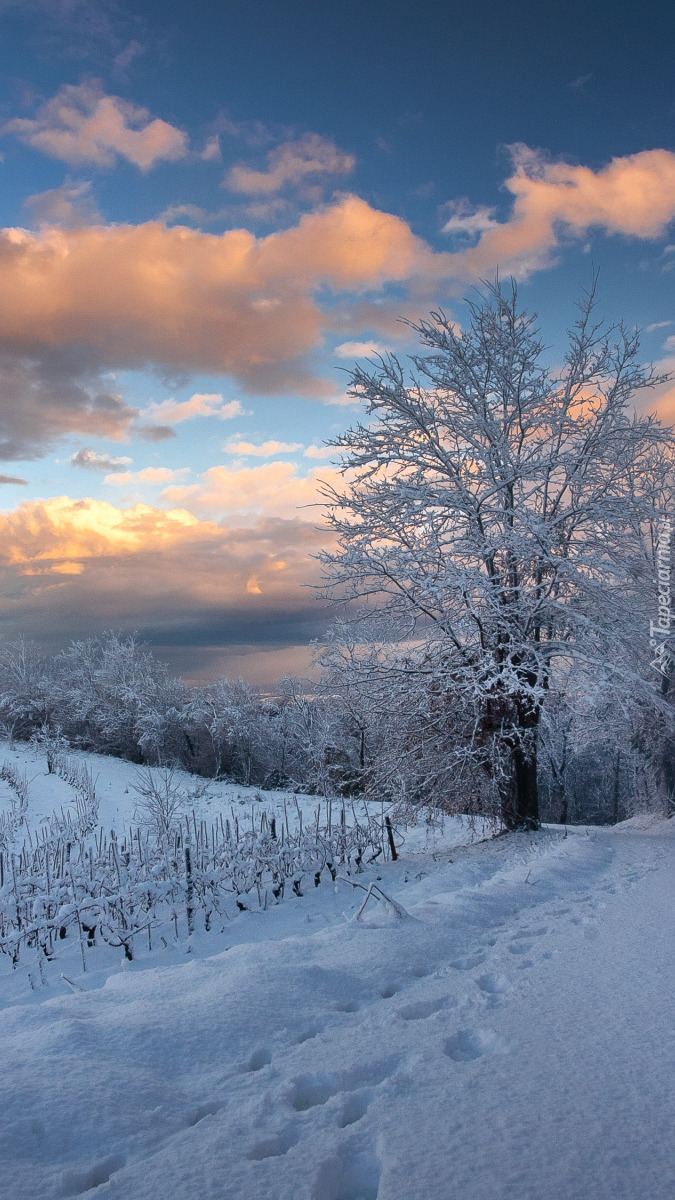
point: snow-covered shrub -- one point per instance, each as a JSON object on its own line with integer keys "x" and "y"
{"x": 106, "y": 688}
{"x": 161, "y": 802}
{"x": 25, "y": 689}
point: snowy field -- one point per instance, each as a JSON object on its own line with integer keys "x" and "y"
{"x": 504, "y": 1030}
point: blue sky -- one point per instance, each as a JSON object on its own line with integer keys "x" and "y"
{"x": 210, "y": 210}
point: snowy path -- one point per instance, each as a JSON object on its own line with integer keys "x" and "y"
{"x": 512, "y": 1039}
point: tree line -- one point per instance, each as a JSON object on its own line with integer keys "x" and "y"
{"x": 597, "y": 763}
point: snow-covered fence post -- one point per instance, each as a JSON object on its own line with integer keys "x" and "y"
{"x": 390, "y": 835}
{"x": 189, "y": 892}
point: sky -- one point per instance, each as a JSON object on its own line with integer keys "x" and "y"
{"x": 210, "y": 211}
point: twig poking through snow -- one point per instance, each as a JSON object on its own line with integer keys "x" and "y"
{"x": 394, "y": 907}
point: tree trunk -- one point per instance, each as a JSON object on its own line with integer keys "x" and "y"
{"x": 617, "y": 784}
{"x": 520, "y": 796}
{"x": 668, "y": 773}
{"x": 526, "y": 789}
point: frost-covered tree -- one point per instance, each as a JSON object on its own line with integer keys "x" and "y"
{"x": 26, "y": 678}
{"x": 492, "y": 522}
{"x": 113, "y": 696}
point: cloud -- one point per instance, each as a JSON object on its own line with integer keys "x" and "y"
{"x": 247, "y": 493}
{"x": 264, "y": 450}
{"x": 633, "y": 196}
{"x": 178, "y": 580}
{"x": 358, "y": 349}
{"x": 271, "y": 448}
{"x": 290, "y": 164}
{"x": 467, "y": 221}
{"x": 211, "y": 151}
{"x": 342, "y": 400}
{"x": 660, "y": 400}
{"x": 183, "y": 299}
{"x": 189, "y": 212}
{"x": 98, "y": 462}
{"x": 579, "y": 84}
{"x": 68, "y": 206}
{"x": 268, "y": 212}
{"x": 77, "y": 29}
{"x": 13, "y": 479}
{"x": 657, "y": 325}
{"x": 153, "y": 433}
{"x": 82, "y": 125}
{"x": 56, "y": 393}
{"x": 124, "y": 59}
{"x": 59, "y": 529}
{"x": 257, "y": 308}
{"x": 254, "y": 133}
{"x": 152, "y": 475}
{"x": 201, "y": 404}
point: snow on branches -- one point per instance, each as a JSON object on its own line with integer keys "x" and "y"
{"x": 491, "y": 526}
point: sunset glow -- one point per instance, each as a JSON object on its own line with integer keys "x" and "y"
{"x": 211, "y": 212}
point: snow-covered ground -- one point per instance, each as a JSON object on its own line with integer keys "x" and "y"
{"x": 512, "y": 1036}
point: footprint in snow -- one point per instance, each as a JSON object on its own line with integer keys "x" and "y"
{"x": 256, "y": 1061}
{"x": 310, "y": 1091}
{"x": 469, "y": 1044}
{"x": 308, "y": 1034}
{"x": 273, "y": 1147}
{"x": 420, "y": 1009}
{"x": 354, "y": 1108}
{"x": 202, "y": 1110}
{"x": 355, "y": 1175}
{"x": 76, "y": 1183}
{"x": 520, "y": 947}
{"x": 493, "y": 984}
{"x": 389, "y": 990}
{"x": 469, "y": 962}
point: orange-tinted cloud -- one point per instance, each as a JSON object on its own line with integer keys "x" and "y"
{"x": 248, "y": 306}
{"x": 269, "y": 449}
{"x": 75, "y": 300}
{"x": 661, "y": 399}
{"x": 353, "y": 350}
{"x": 61, "y": 528}
{"x": 201, "y": 404}
{"x": 88, "y": 458}
{"x": 247, "y": 493}
{"x": 174, "y": 577}
{"x": 290, "y": 164}
{"x": 159, "y": 476}
{"x": 82, "y": 125}
{"x": 185, "y": 299}
{"x": 633, "y": 196}
{"x": 67, "y": 206}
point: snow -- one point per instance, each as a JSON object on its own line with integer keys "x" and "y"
{"x": 511, "y": 1036}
